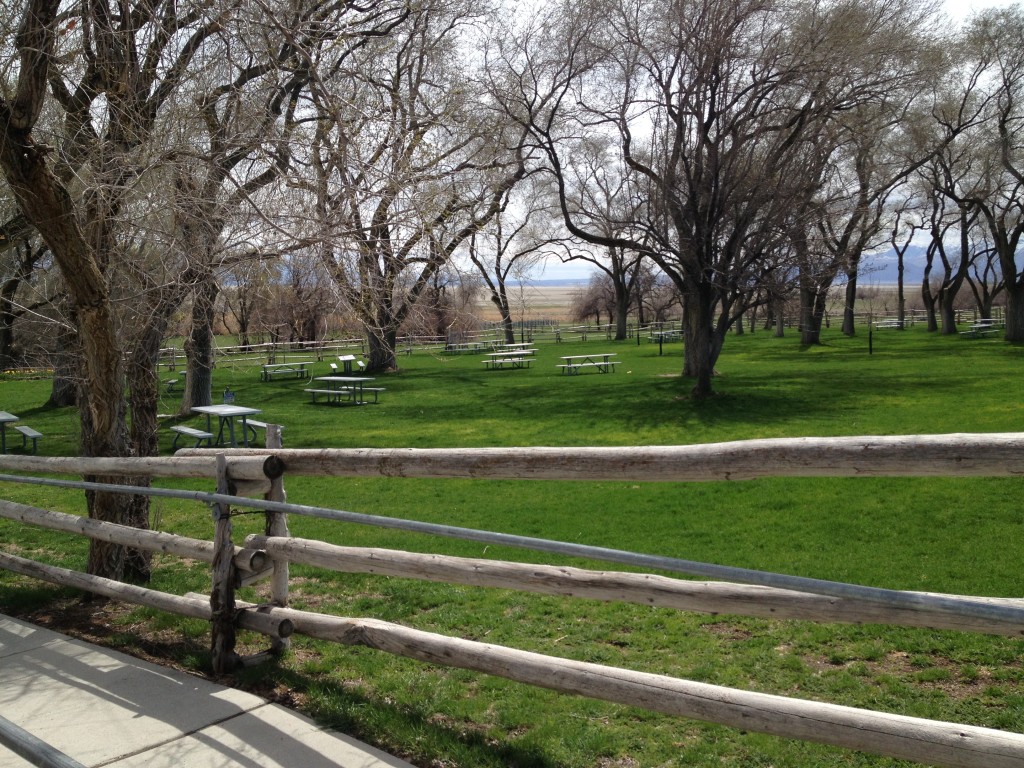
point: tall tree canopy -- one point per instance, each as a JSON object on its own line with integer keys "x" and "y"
{"x": 724, "y": 109}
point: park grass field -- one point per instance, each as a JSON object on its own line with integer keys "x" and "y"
{"x": 945, "y": 535}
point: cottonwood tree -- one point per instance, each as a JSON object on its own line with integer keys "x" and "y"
{"x": 906, "y": 223}
{"x": 720, "y": 106}
{"x": 510, "y": 247}
{"x": 876, "y": 151}
{"x": 99, "y": 62}
{"x": 600, "y": 196}
{"x": 406, "y": 163}
{"x": 993, "y": 75}
{"x": 97, "y": 147}
{"x": 949, "y": 223}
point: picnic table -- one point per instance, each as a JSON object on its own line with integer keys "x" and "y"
{"x": 345, "y": 389}
{"x": 457, "y": 348}
{"x": 226, "y": 415}
{"x": 513, "y": 358}
{"x": 346, "y": 363}
{"x": 5, "y": 419}
{"x": 979, "y": 328}
{"x": 602, "y": 362}
{"x": 300, "y": 369}
{"x": 519, "y": 345}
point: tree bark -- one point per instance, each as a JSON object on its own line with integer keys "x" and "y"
{"x": 700, "y": 348}
{"x": 198, "y": 347}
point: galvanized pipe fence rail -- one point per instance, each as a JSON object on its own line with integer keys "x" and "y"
{"x": 254, "y": 479}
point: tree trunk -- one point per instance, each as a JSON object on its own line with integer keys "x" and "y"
{"x": 810, "y": 320}
{"x": 699, "y": 351}
{"x": 499, "y": 297}
{"x": 381, "y": 350}
{"x": 67, "y": 369}
{"x": 929, "y": 301}
{"x": 849, "y": 327}
{"x": 947, "y": 312}
{"x": 198, "y": 347}
{"x": 621, "y": 309}
{"x": 1014, "y": 310}
{"x": 901, "y": 302}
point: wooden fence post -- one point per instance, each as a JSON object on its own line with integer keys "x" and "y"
{"x": 277, "y": 525}
{"x": 222, "y": 596}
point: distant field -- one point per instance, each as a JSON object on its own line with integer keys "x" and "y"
{"x": 534, "y": 302}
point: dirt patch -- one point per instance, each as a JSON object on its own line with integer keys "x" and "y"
{"x": 957, "y": 681}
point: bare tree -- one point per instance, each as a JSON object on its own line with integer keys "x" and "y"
{"x": 994, "y": 78}
{"x": 721, "y": 107}
{"x": 406, "y": 162}
{"x": 509, "y": 248}
{"x": 600, "y": 195}
{"x": 100, "y": 65}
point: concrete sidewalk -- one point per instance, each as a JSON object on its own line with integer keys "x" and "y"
{"x": 104, "y": 708}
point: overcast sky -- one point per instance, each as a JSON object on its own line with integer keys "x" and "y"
{"x": 961, "y": 9}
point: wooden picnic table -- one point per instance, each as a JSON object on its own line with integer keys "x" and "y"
{"x": 602, "y": 362}
{"x": 347, "y": 361}
{"x": 345, "y": 389}
{"x": 984, "y": 327}
{"x": 226, "y": 415}
{"x": 5, "y": 419}
{"x": 672, "y": 334}
{"x": 300, "y": 369}
{"x": 513, "y": 358}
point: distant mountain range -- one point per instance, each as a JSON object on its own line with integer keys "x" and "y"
{"x": 883, "y": 269}
{"x": 876, "y": 268}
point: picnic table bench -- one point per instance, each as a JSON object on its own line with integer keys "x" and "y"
{"x": 300, "y": 369}
{"x": 601, "y": 362}
{"x": 345, "y": 389}
{"x": 347, "y": 362}
{"x": 5, "y": 419}
{"x": 457, "y": 348}
{"x": 493, "y": 363}
{"x": 200, "y": 435}
{"x": 173, "y": 383}
{"x": 672, "y": 334}
{"x": 27, "y": 433}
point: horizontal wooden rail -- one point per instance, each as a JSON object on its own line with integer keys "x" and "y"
{"x": 639, "y": 588}
{"x": 246, "y": 467}
{"x": 910, "y": 738}
{"x": 248, "y": 561}
{"x": 255, "y": 618}
{"x": 953, "y": 455}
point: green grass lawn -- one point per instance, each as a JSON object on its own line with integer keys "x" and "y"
{"x": 945, "y": 535}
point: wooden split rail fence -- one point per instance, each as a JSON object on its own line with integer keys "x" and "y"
{"x": 254, "y": 478}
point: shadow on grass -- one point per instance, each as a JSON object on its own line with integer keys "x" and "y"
{"x": 438, "y": 736}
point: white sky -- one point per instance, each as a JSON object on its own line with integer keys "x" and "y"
{"x": 959, "y": 10}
